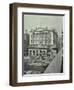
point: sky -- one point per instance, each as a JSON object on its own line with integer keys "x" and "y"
{"x": 50, "y": 21}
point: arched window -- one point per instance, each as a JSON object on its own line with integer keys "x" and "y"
{"x": 37, "y": 52}
{"x": 33, "y": 52}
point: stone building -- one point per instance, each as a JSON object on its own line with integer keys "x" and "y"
{"x": 40, "y": 41}
{"x": 26, "y": 44}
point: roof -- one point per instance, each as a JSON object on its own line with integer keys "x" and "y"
{"x": 40, "y": 29}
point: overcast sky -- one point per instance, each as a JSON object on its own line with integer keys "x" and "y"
{"x": 50, "y": 21}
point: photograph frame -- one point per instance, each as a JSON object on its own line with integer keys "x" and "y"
{"x": 13, "y": 44}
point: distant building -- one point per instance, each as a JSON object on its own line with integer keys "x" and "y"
{"x": 40, "y": 41}
{"x": 26, "y": 44}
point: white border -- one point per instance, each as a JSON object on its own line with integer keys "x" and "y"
{"x": 48, "y": 77}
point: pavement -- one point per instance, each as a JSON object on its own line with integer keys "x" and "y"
{"x": 55, "y": 65}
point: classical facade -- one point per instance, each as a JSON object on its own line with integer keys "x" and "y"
{"x": 40, "y": 41}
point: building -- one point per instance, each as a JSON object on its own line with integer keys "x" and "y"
{"x": 40, "y": 41}
{"x": 26, "y": 44}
